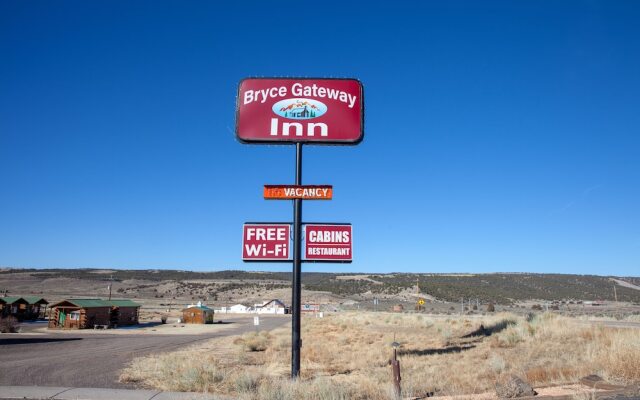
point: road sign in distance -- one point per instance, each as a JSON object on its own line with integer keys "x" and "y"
{"x": 328, "y": 242}
{"x": 265, "y": 242}
{"x": 292, "y": 110}
{"x": 305, "y": 192}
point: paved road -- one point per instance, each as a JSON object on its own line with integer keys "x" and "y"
{"x": 93, "y": 360}
{"x": 614, "y": 324}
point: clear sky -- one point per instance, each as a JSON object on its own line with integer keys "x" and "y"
{"x": 500, "y": 136}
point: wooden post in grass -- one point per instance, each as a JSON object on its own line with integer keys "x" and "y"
{"x": 395, "y": 370}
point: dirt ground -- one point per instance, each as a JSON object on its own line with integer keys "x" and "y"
{"x": 91, "y": 358}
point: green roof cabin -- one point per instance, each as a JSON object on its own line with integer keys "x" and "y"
{"x": 93, "y": 313}
{"x": 23, "y": 308}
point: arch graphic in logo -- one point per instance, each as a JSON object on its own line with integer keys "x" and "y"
{"x": 299, "y": 108}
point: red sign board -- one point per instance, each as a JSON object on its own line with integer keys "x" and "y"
{"x": 328, "y": 242}
{"x": 265, "y": 242}
{"x": 314, "y": 111}
{"x": 305, "y": 192}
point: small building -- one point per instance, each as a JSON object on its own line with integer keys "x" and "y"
{"x": 37, "y": 306}
{"x": 23, "y": 308}
{"x": 90, "y": 313}
{"x": 235, "y": 309}
{"x": 239, "y": 308}
{"x": 124, "y": 313}
{"x": 197, "y": 314}
{"x": 274, "y": 306}
{"x": 15, "y": 307}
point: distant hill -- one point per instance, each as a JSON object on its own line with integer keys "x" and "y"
{"x": 501, "y": 288}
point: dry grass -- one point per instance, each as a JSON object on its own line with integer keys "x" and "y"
{"x": 345, "y": 356}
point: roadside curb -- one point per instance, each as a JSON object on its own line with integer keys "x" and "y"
{"x": 71, "y": 393}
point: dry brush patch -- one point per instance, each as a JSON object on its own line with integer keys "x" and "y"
{"x": 345, "y": 356}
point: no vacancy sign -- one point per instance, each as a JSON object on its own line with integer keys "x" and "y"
{"x": 311, "y": 111}
{"x": 328, "y": 242}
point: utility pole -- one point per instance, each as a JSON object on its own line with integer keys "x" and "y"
{"x": 615, "y": 293}
{"x": 462, "y": 306}
{"x": 171, "y": 302}
{"x": 110, "y": 284}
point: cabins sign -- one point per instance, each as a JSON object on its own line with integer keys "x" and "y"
{"x": 290, "y": 110}
{"x": 328, "y": 242}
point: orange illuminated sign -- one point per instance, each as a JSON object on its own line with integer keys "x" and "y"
{"x": 305, "y": 192}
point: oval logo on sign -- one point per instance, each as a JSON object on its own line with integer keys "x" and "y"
{"x": 299, "y": 108}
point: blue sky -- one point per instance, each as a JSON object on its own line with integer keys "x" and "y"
{"x": 500, "y": 136}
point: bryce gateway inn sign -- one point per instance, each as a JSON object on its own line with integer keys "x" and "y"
{"x": 289, "y": 110}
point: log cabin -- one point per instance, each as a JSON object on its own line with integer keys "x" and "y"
{"x": 93, "y": 313}
{"x": 23, "y": 308}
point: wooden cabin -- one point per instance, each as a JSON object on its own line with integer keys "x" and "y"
{"x": 12, "y": 305}
{"x": 92, "y": 313}
{"x": 37, "y": 306}
{"x": 124, "y": 313}
{"x": 198, "y": 314}
{"x": 23, "y": 308}
{"x": 15, "y": 307}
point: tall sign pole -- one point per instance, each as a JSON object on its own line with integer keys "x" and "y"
{"x": 320, "y": 111}
{"x": 296, "y": 340}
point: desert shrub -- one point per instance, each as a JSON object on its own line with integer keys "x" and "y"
{"x": 497, "y": 364}
{"x": 634, "y": 317}
{"x": 9, "y": 325}
{"x": 254, "y": 341}
{"x": 514, "y": 333}
{"x": 163, "y": 319}
{"x": 247, "y": 383}
{"x": 491, "y": 307}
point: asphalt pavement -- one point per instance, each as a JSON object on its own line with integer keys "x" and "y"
{"x": 67, "y": 393}
{"x": 93, "y": 360}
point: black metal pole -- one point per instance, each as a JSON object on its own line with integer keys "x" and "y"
{"x": 297, "y": 257}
